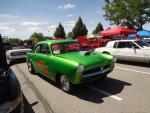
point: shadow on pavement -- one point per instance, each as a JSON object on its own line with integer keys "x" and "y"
{"x": 109, "y": 85}
{"x": 18, "y": 61}
{"x": 27, "y": 106}
{"x": 141, "y": 64}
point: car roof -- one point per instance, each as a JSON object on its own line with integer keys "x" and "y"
{"x": 56, "y": 41}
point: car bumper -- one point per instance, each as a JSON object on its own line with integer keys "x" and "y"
{"x": 17, "y": 57}
{"x": 79, "y": 78}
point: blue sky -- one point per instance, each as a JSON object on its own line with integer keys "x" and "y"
{"x": 20, "y": 18}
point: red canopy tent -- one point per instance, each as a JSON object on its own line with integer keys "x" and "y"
{"x": 117, "y": 31}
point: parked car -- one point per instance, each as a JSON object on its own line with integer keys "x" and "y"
{"x": 11, "y": 100}
{"x": 147, "y": 40}
{"x": 15, "y": 53}
{"x": 60, "y": 62}
{"x": 128, "y": 50}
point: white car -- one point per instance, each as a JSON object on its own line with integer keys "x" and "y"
{"x": 128, "y": 50}
{"x": 16, "y": 53}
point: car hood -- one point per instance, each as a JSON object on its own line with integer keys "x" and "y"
{"x": 86, "y": 60}
{"x": 19, "y": 50}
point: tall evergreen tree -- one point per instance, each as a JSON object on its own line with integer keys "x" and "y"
{"x": 98, "y": 28}
{"x": 60, "y": 32}
{"x": 79, "y": 29}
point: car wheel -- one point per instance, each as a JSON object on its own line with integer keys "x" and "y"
{"x": 104, "y": 77}
{"x": 30, "y": 68}
{"x": 66, "y": 86}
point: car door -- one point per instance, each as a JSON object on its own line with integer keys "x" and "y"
{"x": 119, "y": 50}
{"x": 42, "y": 62}
{"x": 35, "y": 57}
{"x": 137, "y": 53}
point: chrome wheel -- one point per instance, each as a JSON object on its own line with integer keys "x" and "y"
{"x": 65, "y": 84}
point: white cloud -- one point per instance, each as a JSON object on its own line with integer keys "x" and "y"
{"x": 4, "y": 24}
{"x": 5, "y": 29}
{"x": 70, "y": 23}
{"x": 32, "y": 29}
{"x": 66, "y": 6}
{"x": 69, "y": 15}
{"x": 52, "y": 27}
{"x": 7, "y": 16}
{"x": 33, "y": 23}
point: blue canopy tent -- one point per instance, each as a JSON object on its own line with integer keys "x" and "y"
{"x": 143, "y": 33}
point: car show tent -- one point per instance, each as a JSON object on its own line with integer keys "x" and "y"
{"x": 117, "y": 31}
{"x": 142, "y": 33}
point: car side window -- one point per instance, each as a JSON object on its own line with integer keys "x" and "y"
{"x": 134, "y": 45}
{"x": 45, "y": 49}
{"x": 37, "y": 49}
{"x": 124, "y": 45}
{"x": 115, "y": 44}
{"x": 121, "y": 45}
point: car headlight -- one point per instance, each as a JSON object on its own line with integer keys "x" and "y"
{"x": 80, "y": 68}
{"x": 114, "y": 60}
{"x": 10, "y": 106}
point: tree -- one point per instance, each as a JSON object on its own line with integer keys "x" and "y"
{"x": 60, "y": 32}
{"x": 128, "y": 13}
{"x": 79, "y": 29}
{"x": 37, "y": 37}
{"x": 98, "y": 29}
{"x": 70, "y": 35}
{"x": 12, "y": 40}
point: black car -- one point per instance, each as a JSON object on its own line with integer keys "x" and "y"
{"x": 11, "y": 100}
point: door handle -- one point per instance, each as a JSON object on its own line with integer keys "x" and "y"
{"x": 117, "y": 51}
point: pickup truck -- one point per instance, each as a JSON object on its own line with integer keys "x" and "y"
{"x": 128, "y": 50}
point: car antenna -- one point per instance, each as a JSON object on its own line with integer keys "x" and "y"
{"x": 3, "y": 62}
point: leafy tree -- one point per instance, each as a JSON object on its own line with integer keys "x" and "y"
{"x": 98, "y": 29}
{"x": 70, "y": 35}
{"x": 37, "y": 37}
{"x": 129, "y": 13}
{"x": 60, "y": 32}
{"x": 79, "y": 29}
{"x": 11, "y": 40}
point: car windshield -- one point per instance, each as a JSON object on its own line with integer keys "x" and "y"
{"x": 65, "y": 47}
{"x": 142, "y": 43}
{"x": 19, "y": 47}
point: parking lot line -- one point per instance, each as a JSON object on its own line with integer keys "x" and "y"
{"x": 105, "y": 93}
{"x": 133, "y": 70}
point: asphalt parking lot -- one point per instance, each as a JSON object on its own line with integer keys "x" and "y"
{"x": 126, "y": 90}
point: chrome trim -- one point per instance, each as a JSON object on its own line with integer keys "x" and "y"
{"x": 96, "y": 73}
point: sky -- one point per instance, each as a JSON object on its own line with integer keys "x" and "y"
{"x": 21, "y": 18}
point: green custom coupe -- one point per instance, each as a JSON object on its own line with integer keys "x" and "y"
{"x": 63, "y": 61}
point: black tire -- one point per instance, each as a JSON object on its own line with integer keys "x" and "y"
{"x": 104, "y": 77}
{"x": 106, "y": 52}
{"x": 66, "y": 86}
{"x": 30, "y": 67}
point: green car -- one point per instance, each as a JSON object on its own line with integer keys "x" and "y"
{"x": 63, "y": 61}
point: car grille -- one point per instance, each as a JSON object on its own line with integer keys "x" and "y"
{"x": 18, "y": 53}
{"x": 96, "y": 71}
